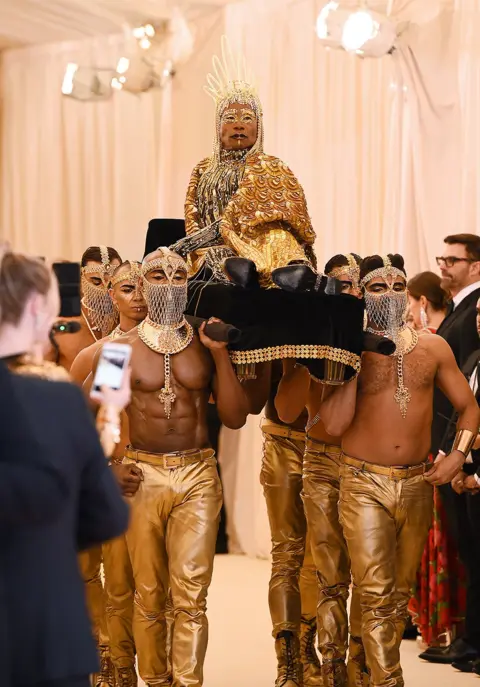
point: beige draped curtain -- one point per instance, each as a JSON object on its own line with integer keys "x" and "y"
{"x": 74, "y": 174}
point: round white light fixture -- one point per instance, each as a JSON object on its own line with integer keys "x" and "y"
{"x": 361, "y": 31}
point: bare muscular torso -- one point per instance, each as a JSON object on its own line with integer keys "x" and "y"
{"x": 379, "y": 434}
{"x": 191, "y": 380}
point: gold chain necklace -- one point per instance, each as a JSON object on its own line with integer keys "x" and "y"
{"x": 402, "y": 394}
{"x": 116, "y": 333}
{"x": 167, "y": 340}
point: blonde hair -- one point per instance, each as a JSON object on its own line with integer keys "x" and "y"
{"x": 20, "y": 277}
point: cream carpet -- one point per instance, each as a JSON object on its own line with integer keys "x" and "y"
{"x": 240, "y": 652}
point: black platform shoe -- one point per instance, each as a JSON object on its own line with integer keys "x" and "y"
{"x": 242, "y": 271}
{"x": 298, "y": 277}
{"x": 301, "y": 277}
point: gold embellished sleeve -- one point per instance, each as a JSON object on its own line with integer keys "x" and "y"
{"x": 191, "y": 210}
{"x": 269, "y": 193}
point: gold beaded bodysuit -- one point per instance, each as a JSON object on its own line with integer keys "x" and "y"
{"x": 253, "y": 201}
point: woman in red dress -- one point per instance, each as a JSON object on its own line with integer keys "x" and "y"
{"x": 438, "y": 604}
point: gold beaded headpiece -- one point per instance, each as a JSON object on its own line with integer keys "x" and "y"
{"x": 134, "y": 274}
{"x": 352, "y": 270}
{"x": 231, "y": 82}
{"x": 168, "y": 259}
{"x": 105, "y": 268}
{"x": 388, "y": 270}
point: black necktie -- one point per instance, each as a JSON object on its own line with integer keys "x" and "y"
{"x": 450, "y": 308}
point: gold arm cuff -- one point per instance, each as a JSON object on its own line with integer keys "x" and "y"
{"x": 464, "y": 440}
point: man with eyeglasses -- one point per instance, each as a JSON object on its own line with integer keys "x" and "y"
{"x": 460, "y": 271}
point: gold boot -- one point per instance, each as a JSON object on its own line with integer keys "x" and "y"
{"x": 334, "y": 674}
{"x": 127, "y": 677}
{"x": 357, "y": 666}
{"x": 312, "y": 670}
{"x": 289, "y": 666}
{"x": 106, "y": 676}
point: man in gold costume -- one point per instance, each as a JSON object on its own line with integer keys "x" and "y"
{"x": 293, "y": 592}
{"x": 98, "y": 318}
{"x": 127, "y": 297}
{"x": 321, "y": 485}
{"x": 245, "y": 211}
{"x": 175, "y": 511}
{"x": 384, "y": 417}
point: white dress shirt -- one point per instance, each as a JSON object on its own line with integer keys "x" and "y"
{"x": 461, "y": 295}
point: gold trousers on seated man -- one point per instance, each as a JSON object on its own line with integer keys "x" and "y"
{"x": 90, "y": 563}
{"x": 171, "y": 541}
{"x": 321, "y": 491}
{"x": 293, "y": 584}
{"x": 119, "y": 591}
{"x": 386, "y": 514}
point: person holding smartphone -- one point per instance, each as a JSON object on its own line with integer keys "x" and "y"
{"x": 175, "y": 511}
{"x": 47, "y": 629}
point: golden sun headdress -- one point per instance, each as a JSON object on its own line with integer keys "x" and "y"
{"x": 231, "y": 82}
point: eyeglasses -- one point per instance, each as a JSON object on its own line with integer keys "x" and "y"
{"x": 450, "y": 261}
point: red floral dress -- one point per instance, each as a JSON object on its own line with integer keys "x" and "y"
{"x": 439, "y": 601}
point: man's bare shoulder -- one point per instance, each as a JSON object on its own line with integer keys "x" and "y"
{"x": 434, "y": 344}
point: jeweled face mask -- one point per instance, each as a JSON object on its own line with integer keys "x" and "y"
{"x": 96, "y": 300}
{"x": 386, "y": 310}
{"x": 166, "y": 291}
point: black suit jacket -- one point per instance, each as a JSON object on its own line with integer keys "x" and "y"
{"x": 472, "y": 364}
{"x": 459, "y": 330}
{"x": 48, "y": 629}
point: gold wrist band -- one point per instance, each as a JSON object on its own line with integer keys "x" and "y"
{"x": 464, "y": 440}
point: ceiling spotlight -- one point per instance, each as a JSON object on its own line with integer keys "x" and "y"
{"x": 87, "y": 83}
{"x": 359, "y": 28}
{"x": 149, "y": 30}
{"x": 144, "y": 43}
{"x": 123, "y": 65}
{"x": 361, "y": 31}
{"x": 138, "y": 77}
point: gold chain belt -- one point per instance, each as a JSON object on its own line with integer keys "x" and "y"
{"x": 269, "y": 427}
{"x": 394, "y": 472}
{"x": 169, "y": 461}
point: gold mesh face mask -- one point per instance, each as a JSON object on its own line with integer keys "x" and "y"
{"x": 386, "y": 312}
{"x": 166, "y": 301}
{"x": 100, "y": 311}
{"x": 165, "y": 330}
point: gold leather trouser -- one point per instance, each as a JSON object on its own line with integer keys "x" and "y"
{"x": 171, "y": 541}
{"x": 385, "y": 520}
{"x": 90, "y": 563}
{"x": 321, "y": 489}
{"x": 293, "y": 584}
{"x": 119, "y": 591}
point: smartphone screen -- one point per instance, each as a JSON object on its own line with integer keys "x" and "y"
{"x": 111, "y": 366}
